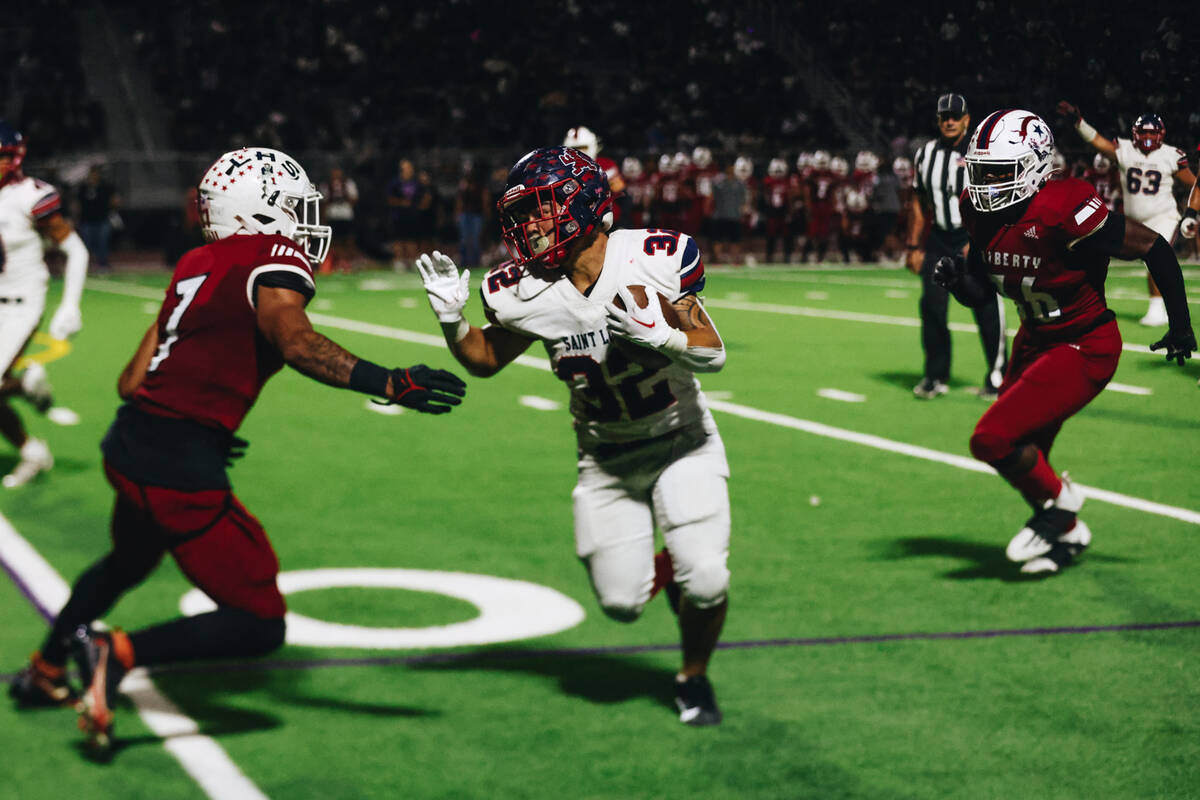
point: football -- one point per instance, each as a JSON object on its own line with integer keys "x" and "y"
{"x": 639, "y": 297}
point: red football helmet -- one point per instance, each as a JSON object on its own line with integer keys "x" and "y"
{"x": 1148, "y": 132}
{"x": 554, "y": 196}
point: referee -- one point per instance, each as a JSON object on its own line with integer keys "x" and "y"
{"x": 939, "y": 171}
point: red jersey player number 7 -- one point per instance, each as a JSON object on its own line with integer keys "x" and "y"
{"x": 232, "y": 317}
{"x": 1046, "y": 245}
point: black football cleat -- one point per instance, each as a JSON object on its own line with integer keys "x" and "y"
{"x": 696, "y": 702}
{"x": 42, "y": 685}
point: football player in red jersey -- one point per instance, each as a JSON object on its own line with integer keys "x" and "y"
{"x": 777, "y": 202}
{"x": 1106, "y": 180}
{"x": 233, "y": 316}
{"x": 1046, "y": 245}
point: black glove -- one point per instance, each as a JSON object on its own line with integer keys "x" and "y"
{"x": 948, "y": 271}
{"x": 1071, "y": 112}
{"x": 1179, "y": 344}
{"x": 430, "y": 391}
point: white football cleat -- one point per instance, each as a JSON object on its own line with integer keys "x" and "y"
{"x": 1156, "y": 315}
{"x": 1052, "y": 524}
{"x": 35, "y": 459}
{"x": 1063, "y": 553}
{"x": 61, "y": 415}
{"x": 35, "y": 385}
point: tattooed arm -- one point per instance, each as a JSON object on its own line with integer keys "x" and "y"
{"x": 282, "y": 320}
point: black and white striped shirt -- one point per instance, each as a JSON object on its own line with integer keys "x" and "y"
{"x": 939, "y": 175}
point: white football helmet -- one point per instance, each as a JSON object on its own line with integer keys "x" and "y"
{"x": 666, "y": 164}
{"x": 743, "y": 168}
{"x": 804, "y": 162}
{"x": 631, "y": 168}
{"x": 682, "y": 160}
{"x": 866, "y": 161}
{"x": 702, "y": 157}
{"x": 820, "y": 159}
{"x": 1101, "y": 163}
{"x": 1010, "y": 156}
{"x": 260, "y": 190}
{"x": 777, "y": 168}
{"x": 839, "y": 166}
{"x": 903, "y": 167}
{"x": 583, "y": 140}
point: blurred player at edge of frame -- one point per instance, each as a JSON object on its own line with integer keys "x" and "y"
{"x": 1046, "y": 244}
{"x": 31, "y": 214}
{"x": 1148, "y": 168}
{"x": 648, "y": 446}
{"x": 233, "y": 316}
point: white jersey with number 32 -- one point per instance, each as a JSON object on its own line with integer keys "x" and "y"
{"x": 1147, "y": 178}
{"x": 619, "y": 393}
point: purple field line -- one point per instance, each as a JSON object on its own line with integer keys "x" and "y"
{"x": 32, "y": 597}
{"x": 530, "y": 653}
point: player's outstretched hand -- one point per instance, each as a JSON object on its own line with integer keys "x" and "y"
{"x": 1069, "y": 111}
{"x": 446, "y": 288}
{"x": 1179, "y": 344}
{"x": 643, "y": 326}
{"x": 948, "y": 271}
{"x": 430, "y": 391}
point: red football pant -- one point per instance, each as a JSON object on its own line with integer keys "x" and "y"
{"x": 218, "y": 544}
{"x": 1045, "y": 384}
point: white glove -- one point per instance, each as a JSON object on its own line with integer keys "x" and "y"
{"x": 66, "y": 322}
{"x": 446, "y": 288}
{"x": 1188, "y": 228}
{"x": 643, "y": 326}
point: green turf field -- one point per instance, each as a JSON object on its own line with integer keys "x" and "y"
{"x": 878, "y": 645}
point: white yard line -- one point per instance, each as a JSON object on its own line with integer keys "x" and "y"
{"x": 200, "y": 756}
{"x": 855, "y": 316}
{"x": 962, "y": 462}
{"x": 817, "y": 428}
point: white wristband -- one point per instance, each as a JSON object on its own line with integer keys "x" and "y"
{"x": 1085, "y": 131}
{"x": 461, "y": 329}
{"x": 676, "y": 343}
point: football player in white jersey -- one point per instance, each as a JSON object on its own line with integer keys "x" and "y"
{"x": 30, "y": 212}
{"x": 649, "y": 450}
{"x": 1147, "y": 168}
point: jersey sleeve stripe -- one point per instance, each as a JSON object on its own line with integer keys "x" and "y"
{"x": 691, "y": 272}
{"x": 1098, "y": 226}
{"x": 47, "y": 206}
{"x": 275, "y": 268}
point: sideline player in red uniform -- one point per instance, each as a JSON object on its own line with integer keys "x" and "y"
{"x": 232, "y": 317}
{"x": 1046, "y": 244}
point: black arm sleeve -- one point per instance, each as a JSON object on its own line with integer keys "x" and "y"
{"x": 1164, "y": 268}
{"x": 284, "y": 279}
{"x": 974, "y": 288}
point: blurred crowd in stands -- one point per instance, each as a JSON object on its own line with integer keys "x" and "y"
{"x": 409, "y": 117}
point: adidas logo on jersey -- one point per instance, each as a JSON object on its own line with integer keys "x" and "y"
{"x": 284, "y": 250}
{"x": 1031, "y": 233}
